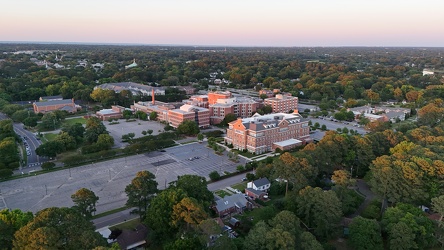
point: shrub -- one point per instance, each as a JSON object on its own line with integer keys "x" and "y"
{"x": 214, "y": 176}
{"x": 240, "y": 168}
{"x": 48, "y": 165}
{"x": 5, "y": 173}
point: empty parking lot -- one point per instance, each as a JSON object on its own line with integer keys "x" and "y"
{"x": 109, "y": 179}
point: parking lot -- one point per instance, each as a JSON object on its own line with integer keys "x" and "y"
{"x": 109, "y": 179}
{"x": 136, "y": 127}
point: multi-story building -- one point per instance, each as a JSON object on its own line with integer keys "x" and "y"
{"x": 282, "y": 103}
{"x": 197, "y": 100}
{"x": 44, "y": 107}
{"x": 239, "y": 106}
{"x": 259, "y": 134}
{"x": 115, "y": 112}
{"x": 135, "y": 88}
{"x": 214, "y": 96}
{"x": 188, "y": 112}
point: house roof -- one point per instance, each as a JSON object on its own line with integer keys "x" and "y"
{"x": 227, "y": 202}
{"x": 261, "y": 182}
{"x": 254, "y": 191}
{"x": 288, "y": 142}
{"x": 55, "y": 102}
{"x": 132, "y": 238}
{"x": 51, "y": 98}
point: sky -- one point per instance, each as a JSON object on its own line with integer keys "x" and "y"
{"x": 276, "y": 23}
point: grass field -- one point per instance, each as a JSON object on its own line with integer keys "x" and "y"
{"x": 131, "y": 224}
{"x": 241, "y": 186}
{"x": 74, "y": 121}
{"x": 49, "y": 137}
{"x": 222, "y": 193}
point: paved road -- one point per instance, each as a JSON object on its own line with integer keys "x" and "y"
{"x": 33, "y": 143}
{"x": 109, "y": 179}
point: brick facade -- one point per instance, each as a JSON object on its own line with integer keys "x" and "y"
{"x": 282, "y": 103}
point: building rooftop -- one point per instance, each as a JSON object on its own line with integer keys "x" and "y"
{"x": 55, "y": 102}
{"x": 227, "y": 202}
{"x": 261, "y": 182}
{"x": 288, "y": 142}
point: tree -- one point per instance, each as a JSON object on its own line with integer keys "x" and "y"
{"x": 438, "y": 206}
{"x": 188, "y": 127}
{"x": 188, "y": 210}
{"x": 104, "y": 96}
{"x": 153, "y": 116}
{"x": 319, "y": 210}
{"x": 149, "y": 131}
{"x": 5, "y": 173}
{"x": 160, "y": 212}
{"x": 256, "y": 238}
{"x": 58, "y": 228}
{"x": 309, "y": 242}
{"x": 10, "y": 222}
{"x": 418, "y": 225}
{"x": 85, "y": 202}
{"x": 229, "y": 118}
{"x": 76, "y": 130}
{"x": 50, "y": 148}
{"x": 94, "y": 128}
{"x": 401, "y": 237}
{"x": 68, "y": 142}
{"x": 297, "y": 171}
{"x": 105, "y": 141}
{"x": 140, "y": 192}
{"x": 50, "y": 121}
{"x": 30, "y": 121}
{"x": 214, "y": 176}
{"x": 195, "y": 187}
{"x": 48, "y": 165}
{"x": 365, "y": 234}
{"x": 127, "y": 114}
{"x": 200, "y": 137}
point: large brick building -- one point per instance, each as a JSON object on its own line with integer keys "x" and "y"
{"x": 214, "y": 96}
{"x": 239, "y": 106}
{"x": 282, "y": 103}
{"x": 67, "y": 105}
{"x": 259, "y": 134}
{"x": 188, "y": 112}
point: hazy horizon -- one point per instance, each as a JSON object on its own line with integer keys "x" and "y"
{"x": 247, "y": 23}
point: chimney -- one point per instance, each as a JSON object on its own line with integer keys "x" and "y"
{"x": 152, "y": 96}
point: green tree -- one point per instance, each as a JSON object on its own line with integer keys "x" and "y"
{"x": 365, "y": 234}
{"x": 140, "y": 192}
{"x": 229, "y": 118}
{"x": 76, "y": 130}
{"x": 30, "y": 121}
{"x": 10, "y": 222}
{"x": 5, "y": 173}
{"x": 195, "y": 187}
{"x": 401, "y": 237}
{"x": 50, "y": 121}
{"x": 105, "y": 141}
{"x": 58, "y": 228}
{"x": 319, "y": 210}
{"x": 48, "y": 165}
{"x": 160, "y": 213}
{"x": 50, "y": 148}
{"x": 153, "y": 116}
{"x": 85, "y": 202}
{"x": 149, "y": 131}
{"x": 214, "y": 176}
{"x": 188, "y": 127}
{"x": 309, "y": 242}
{"x": 200, "y": 137}
{"x": 438, "y": 206}
{"x": 66, "y": 140}
{"x": 104, "y": 96}
{"x": 256, "y": 238}
{"x": 94, "y": 128}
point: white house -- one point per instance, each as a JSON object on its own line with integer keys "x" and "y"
{"x": 262, "y": 184}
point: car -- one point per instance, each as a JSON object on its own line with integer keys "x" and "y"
{"x": 196, "y": 157}
{"x": 162, "y": 150}
{"x": 38, "y": 138}
{"x": 26, "y": 138}
{"x": 244, "y": 179}
{"x": 191, "y": 158}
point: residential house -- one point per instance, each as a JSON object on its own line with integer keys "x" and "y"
{"x": 262, "y": 184}
{"x": 131, "y": 239}
{"x": 235, "y": 203}
{"x": 256, "y": 194}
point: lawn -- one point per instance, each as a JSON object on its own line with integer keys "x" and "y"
{"x": 131, "y": 224}
{"x": 74, "y": 121}
{"x": 240, "y": 186}
{"x": 49, "y": 136}
{"x": 222, "y": 193}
